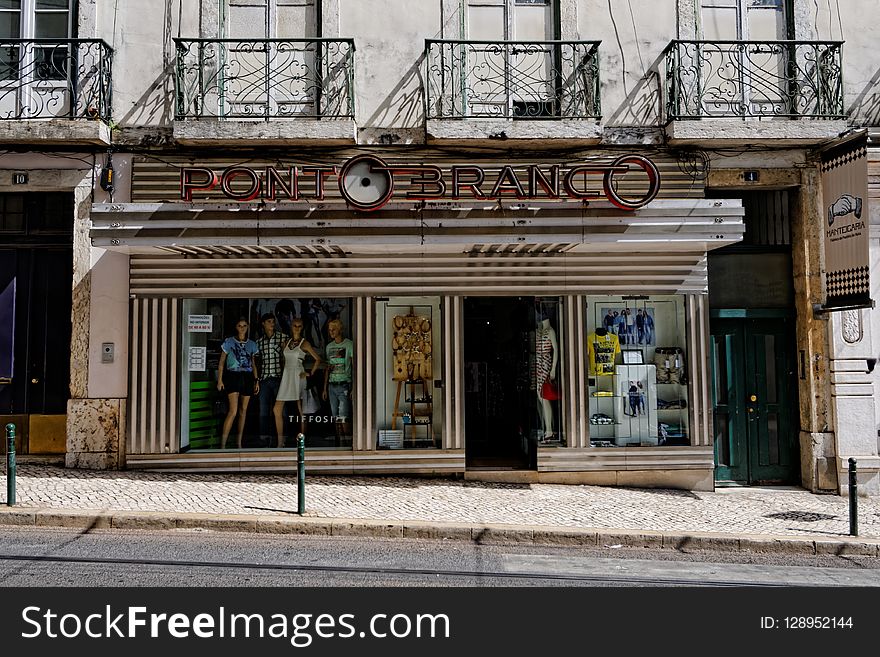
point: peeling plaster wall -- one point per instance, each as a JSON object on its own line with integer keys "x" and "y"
{"x": 856, "y": 23}
{"x": 390, "y": 38}
{"x": 390, "y": 45}
{"x": 634, "y": 35}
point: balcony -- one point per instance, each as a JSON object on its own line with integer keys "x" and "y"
{"x": 743, "y": 91}
{"x": 512, "y": 90}
{"x": 264, "y": 91}
{"x": 55, "y": 91}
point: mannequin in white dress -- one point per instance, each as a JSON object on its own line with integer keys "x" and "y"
{"x": 546, "y": 360}
{"x": 293, "y": 378}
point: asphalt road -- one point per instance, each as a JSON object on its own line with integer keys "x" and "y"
{"x": 58, "y": 557}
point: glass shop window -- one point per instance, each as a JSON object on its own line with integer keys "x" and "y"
{"x": 637, "y": 367}
{"x": 408, "y": 377}
{"x": 257, "y": 372}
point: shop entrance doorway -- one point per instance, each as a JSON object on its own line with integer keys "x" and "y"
{"x": 500, "y": 407}
{"x": 754, "y": 394}
{"x": 36, "y": 282}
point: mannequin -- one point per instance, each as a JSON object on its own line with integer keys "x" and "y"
{"x": 238, "y": 377}
{"x": 546, "y": 360}
{"x": 338, "y": 377}
{"x": 293, "y": 379}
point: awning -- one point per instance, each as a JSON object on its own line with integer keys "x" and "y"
{"x": 258, "y": 250}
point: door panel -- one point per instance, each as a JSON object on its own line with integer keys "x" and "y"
{"x": 38, "y": 256}
{"x": 41, "y": 371}
{"x": 770, "y": 374}
{"x": 755, "y": 440}
{"x": 727, "y": 393}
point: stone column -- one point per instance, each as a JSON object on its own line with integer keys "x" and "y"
{"x": 818, "y": 471}
{"x": 98, "y": 389}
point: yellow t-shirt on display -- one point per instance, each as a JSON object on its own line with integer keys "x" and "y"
{"x": 601, "y": 350}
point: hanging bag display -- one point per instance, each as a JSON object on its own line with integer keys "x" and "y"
{"x": 549, "y": 391}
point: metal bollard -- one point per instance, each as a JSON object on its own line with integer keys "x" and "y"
{"x": 853, "y": 499}
{"x": 301, "y": 474}
{"x": 10, "y": 465}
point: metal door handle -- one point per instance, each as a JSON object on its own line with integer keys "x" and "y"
{"x": 35, "y": 380}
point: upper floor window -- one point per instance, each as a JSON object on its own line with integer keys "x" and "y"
{"x": 743, "y": 20}
{"x": 511, "y": 20}
{"x": 36, "y": 19}
{"x": 270, "y": 19}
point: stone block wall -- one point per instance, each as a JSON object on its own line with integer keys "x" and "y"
{"x": 95, "y": 434}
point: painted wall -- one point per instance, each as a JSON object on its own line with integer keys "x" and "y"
{"x": 390, "y": 44}
{"x": 857, "y": 22}
{"x": 390, "y": 34}
{"x": 634, "y": 34}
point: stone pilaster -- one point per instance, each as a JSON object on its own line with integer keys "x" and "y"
{"x": 816, "y": 432}
{"x": 94, "y": 433}
{"x": 95, "y": 427}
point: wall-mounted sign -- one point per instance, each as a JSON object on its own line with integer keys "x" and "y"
{"x": 19, "y": 178}
{"x": 200, "y": 323}
{"x": 845, "y": 224}
{"x": 367, "y": 182}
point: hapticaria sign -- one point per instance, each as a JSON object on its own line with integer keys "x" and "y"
{"x": 367, "y": 182}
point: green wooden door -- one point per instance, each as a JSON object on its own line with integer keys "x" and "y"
{"x": 753, "y": 393}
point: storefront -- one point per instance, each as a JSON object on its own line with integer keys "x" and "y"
{"x": 545, "y": 318}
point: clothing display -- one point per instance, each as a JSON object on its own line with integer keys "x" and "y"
{"x": 670, "y": 365}
{"x": 543, "y": 358}
{"x": 271, "y": 360}
{"x": 601, "y": 418}
{"x": 292, "y": 382}
{"x": 239, "y": 354}
{"x": 339, "y": 360}
{"x": 601, "y": 352}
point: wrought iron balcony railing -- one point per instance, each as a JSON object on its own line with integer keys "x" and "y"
{"x": 264, "y": 78}
{"x": 792, "y": 79}
{"x": 512, "y": 79}
{"x": 55, "y": 78}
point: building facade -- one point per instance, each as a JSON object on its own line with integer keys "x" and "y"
{"x": 533, "y": 240}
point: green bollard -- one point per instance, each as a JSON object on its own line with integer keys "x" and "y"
{"x": 10, "y": 465}
{"x": 301, "y": 474}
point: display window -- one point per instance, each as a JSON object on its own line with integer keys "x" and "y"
{"x": 638, "y": 388}
{"x": 258, "y": 372}
{"x": 409, "y": 361}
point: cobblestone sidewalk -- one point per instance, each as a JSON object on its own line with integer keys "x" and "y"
{"x": 787, "y": 512}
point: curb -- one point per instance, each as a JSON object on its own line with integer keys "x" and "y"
{"x": 481, "y": 534}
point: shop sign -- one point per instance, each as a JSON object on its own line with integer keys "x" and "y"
{"x": 845, "y": 224}
{"x": 367, "y": 182}
{"x": 200, "y": 323}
